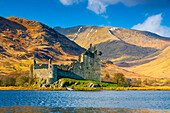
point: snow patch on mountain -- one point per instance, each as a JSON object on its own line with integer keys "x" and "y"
{"x": 112, "y": 29}
{"x": 92, "y": 35}
{"x": 77, "y": 33}
{"x": 90, "y": 32}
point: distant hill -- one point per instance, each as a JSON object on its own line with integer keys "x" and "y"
{"x": 21, "y": 38}
{"x": 141, "y": 53}
{"x": 115, "y": 42}
{"x": 159, "y": 65}
{"x": 84, "y": 35}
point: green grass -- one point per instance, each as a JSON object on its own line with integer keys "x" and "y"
{"x": 84, "y": 84}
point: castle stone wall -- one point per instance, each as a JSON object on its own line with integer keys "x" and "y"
{"x": 45, "y": 71}
{"x": 88, "y": 67}
{"x": 41, "y": 73}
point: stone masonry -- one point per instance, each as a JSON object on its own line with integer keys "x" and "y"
{"x": 87, "y": 67}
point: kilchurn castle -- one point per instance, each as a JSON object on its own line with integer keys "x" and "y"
{"x": 87, "y": 67}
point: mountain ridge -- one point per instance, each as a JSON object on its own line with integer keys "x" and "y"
{"x": 71, "y": 32}
{"x": 126, "y": 48}
{"x": 145, "y": 42}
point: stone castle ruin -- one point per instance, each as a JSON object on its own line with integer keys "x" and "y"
{"x": 87, "y": 67}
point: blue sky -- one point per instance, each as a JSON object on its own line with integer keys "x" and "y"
{"x": 147, "y": 15}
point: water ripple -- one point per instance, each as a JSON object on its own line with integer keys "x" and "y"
{"x": 96, "y": 99}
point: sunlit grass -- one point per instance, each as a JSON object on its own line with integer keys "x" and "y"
{"x": 88, "y": 88}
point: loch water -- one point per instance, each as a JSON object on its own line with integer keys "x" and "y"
{"x": 84, "y": 101}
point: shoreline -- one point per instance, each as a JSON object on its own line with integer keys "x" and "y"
{"x": 149, "y": 88}
{"x": 77, "y": 109}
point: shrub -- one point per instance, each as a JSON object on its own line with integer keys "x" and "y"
{"x": 126, "y": 82}
{"x": 21, "y": 80}
{"x": 107, "y": 76}
{"x": 0, "y": 82}
{"x": 8, "y": 81}
{"x": 118, "y": 78}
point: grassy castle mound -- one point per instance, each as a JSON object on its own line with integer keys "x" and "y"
{"x": 77, "y": 84}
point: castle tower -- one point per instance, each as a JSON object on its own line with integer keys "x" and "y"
{"x": 92, "y": 64}
{"x": 91, "y": 48}
{"x": 50, "y": 71}
{"x": 49, "y": 64}
{"x": 97, "y": 64}
{"x": 50, "y": 68}
{"x": 32, "y": 67}
{"x": 34, "y": 62}
{"x": 81, "y": 58}
{"x": 91, "y": 45}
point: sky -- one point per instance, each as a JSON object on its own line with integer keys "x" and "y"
{"x": 145, "y": 15}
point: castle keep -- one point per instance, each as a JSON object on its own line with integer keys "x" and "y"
{"x": 87, "y": 67}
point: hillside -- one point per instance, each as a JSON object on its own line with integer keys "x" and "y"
{"x": 159, "y": 67}
{"x": 21, "y": 38}
{"x": 137, "y": 54}
{"x": 114, "y": 42}
{"x": 140, "y": 53}
{"x": 83, "y": 35}
{"x": 111, "y": 69}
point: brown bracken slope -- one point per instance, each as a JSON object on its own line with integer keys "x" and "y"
{"x": 21, "y": 38}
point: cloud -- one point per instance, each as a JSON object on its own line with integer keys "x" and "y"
{"x": 99, "y": 6}
{"x": 70, "y": 2}
{"x": 153, "y": 24}
{"x": 105, "y": 16}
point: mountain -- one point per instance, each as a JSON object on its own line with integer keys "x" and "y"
{"x": 115, "y": 42}
{"x": 136, "y": 53}
{"x": 21, "y": 38}
{"x": 83, "y": 35}
{"x": 159, "y": 66}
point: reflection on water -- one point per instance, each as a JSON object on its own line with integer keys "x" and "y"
{"x": 26, "y": 109}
